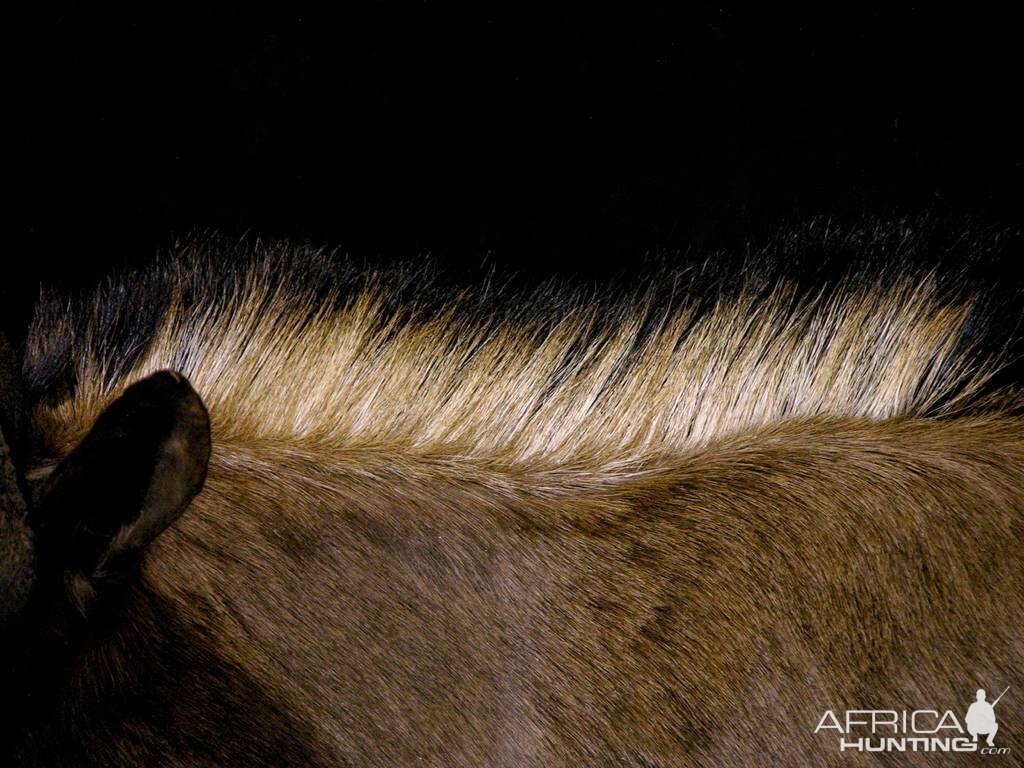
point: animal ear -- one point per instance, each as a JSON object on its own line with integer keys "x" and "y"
{"x": 129, "y": 478}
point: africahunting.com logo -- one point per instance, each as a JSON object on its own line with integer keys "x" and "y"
{"x": 920, "y": 730}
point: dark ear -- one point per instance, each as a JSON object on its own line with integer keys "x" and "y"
{"x": 130, "y": 477}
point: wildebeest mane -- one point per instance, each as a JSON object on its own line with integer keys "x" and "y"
{"x": 875, "y": 321}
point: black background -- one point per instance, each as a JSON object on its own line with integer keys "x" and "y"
{"x": 556, "y": 141}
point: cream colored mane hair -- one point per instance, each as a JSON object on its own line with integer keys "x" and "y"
{"x": 291, "y": 345}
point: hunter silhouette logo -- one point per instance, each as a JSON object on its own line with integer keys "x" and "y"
{"x": 919, "y": 730}
{"x": 981, "y": 717}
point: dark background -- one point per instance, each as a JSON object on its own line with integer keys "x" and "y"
{"x": 560, "y": 141}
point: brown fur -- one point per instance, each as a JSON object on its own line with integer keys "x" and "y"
{"x": 701, "y": 615}
{"x": 434, "y": 540}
